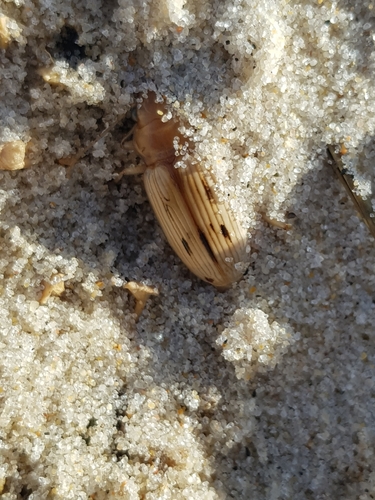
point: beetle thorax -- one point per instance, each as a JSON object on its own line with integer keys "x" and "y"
{"x": 154, "y": 139}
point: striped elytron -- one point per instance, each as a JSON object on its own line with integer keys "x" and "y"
{"x": 201, "y": 230}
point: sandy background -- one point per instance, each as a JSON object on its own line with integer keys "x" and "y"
{"x": 263, "y": 392}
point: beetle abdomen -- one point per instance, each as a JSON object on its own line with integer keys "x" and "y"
{"x": 199, "y": 228}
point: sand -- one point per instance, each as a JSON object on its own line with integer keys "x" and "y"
{"x": 265, "y": 391}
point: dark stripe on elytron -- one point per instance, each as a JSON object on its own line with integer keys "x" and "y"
{"x": 166, "y": 209}
{"x": 210, "y": 280}
{"x": 186, "y": 246}
{"x": 207, "y": 189}
{"x": 224, "y": 232}
{"x": 204, "y": 240}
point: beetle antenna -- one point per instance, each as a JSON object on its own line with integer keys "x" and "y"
{"x": 71, "y": 161}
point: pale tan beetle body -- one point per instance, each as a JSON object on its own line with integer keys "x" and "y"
{"x": 200, "y": 229}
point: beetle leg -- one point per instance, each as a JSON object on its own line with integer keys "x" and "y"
{"x": 124, "y": 142}
{"x": 71, "y": 161}
{"x": 127, "y": 145}
{"x": 136, "y": 170}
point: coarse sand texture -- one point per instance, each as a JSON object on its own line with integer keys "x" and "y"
{"x": 263, "y": 392}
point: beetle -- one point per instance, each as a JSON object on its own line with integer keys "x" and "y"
{"x": 200, "y": 228}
